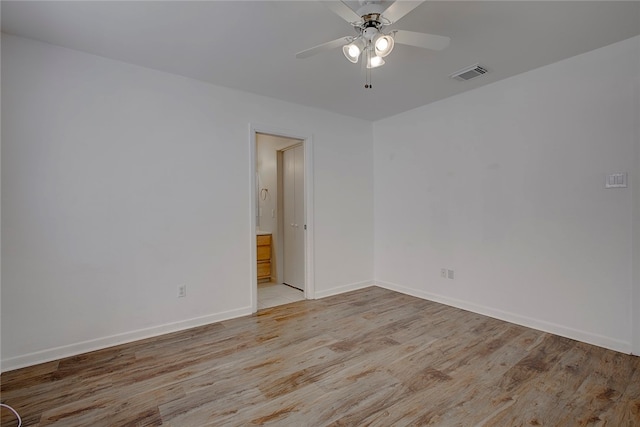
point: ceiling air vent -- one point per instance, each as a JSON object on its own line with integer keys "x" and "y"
{"x": 469, "y": 72}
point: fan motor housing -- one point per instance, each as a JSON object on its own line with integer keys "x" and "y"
{"x": 371, "y": 8}
{"x": 371, "y": 20}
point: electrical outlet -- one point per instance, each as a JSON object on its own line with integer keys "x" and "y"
{"x": 450, "y": 274}
{"x": 182, "y": 291}
{"x": 443, "y": 273}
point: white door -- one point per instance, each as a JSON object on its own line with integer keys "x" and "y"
{"x": 293, "y": 202}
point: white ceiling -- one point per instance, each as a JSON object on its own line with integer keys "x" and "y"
{"x": 251, "y": 45}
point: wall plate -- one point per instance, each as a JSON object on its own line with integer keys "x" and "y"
{"x": 616, "y": 180}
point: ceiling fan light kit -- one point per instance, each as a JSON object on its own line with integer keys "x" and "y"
{"x": 384, "y": 45}
{"x": 352, "y": 50}
{"x": 369, "y": 22}
{"x": 375, "y": 61}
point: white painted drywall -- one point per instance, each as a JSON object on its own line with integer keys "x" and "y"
{"x": 1, "y": 370}
{"x": 635, "y": 186}
{"x": 121, "y": 182}
{"x": 505, "y": 185}
{"x": 267, "y": 168}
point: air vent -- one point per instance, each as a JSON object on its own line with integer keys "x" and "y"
{"x": 469, "y": 73}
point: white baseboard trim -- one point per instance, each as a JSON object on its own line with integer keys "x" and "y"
{"x": 541, "y": 325}
{"x": 342, "y": 289}
{"x": 56, "y": 353}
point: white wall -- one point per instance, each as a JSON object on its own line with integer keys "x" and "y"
{"x": 1, "y": 370}
{"x": 505, "y": 185}
{"x": 120, "y": 182}
{"x": 267, "y": 169}
{"x": 635, "y": 183}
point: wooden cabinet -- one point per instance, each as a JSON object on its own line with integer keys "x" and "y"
{"x": 264, "y": 257}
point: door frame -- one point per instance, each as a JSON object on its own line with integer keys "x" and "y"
{"x": 307, "y": 143}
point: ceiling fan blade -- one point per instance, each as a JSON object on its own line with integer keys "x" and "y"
{"x": 425, "y": 41}
{"x": 342, "y": 10}
{"x": 324, "y": 47}
{"x": 398, "y": 9}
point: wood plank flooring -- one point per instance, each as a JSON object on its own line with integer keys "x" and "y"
{"x": 371, "y": 357}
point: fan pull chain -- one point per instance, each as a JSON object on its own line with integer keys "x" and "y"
{"x": 367, "y": 71}
{"x": 364, "y": 65}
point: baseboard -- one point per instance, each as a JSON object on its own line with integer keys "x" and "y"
{"x": 342, "y": 289}
{"x": 110, "y": 341}
{"x": 541, "y": 325}
{"x": 105, "y": 342}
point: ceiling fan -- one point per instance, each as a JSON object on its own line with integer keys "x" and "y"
{"x": 372, "y": 40}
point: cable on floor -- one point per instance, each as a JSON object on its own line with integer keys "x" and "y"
{"x": 14, "y": 411}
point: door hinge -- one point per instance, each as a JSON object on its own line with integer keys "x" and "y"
{"x": 305, "y": 226}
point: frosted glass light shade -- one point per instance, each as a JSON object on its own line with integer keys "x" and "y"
{"x": 351, "y": 52}
{"x": 384, "y": 45}
{"x": 375, "y": 61}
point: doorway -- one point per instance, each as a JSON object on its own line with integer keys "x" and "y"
{"x": 281, "y": 213}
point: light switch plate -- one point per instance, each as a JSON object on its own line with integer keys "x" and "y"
{"x": 616, "y": 180}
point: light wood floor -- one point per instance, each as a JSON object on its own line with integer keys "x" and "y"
{"x": 369, "y": 357}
